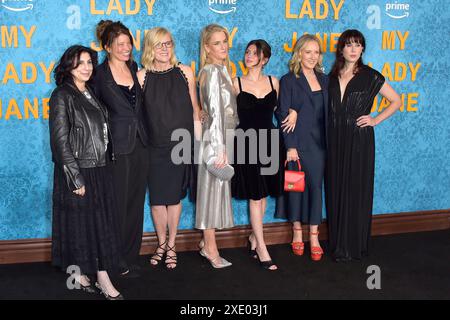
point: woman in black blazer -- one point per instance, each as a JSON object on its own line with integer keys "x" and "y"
{"x": 117, "y": 86}
{"x": 304, "y": 90}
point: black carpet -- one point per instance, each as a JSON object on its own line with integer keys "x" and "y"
{"x": 413, "y": 266}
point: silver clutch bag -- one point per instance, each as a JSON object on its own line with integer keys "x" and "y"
{"x": 225, "y": 173}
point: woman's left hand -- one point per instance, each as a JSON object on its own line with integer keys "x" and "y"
{"x": 203, "y": 116}
{"x": 365, "y": 121}
{"x": 288, "y": 124}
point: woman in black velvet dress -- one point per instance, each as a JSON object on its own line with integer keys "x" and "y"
{"x": 256, "y": 102}
{"x": 351, "y": 147}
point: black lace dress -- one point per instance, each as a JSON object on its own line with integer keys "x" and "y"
{"x": 84, "y": 229}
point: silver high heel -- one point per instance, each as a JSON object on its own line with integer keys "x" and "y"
{"x": 217, "y": 262}
{"x": 201, "y": 244}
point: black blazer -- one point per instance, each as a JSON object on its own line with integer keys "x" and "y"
{"x": 126, "y": 120}
{"x": 296, "y": 94}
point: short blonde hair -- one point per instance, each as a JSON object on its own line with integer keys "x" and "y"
{"x": 207, "y": 33}
{"x": 295, "y": 64}
{"x": 152, "y": 38}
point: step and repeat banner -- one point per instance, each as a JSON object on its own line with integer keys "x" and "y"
{"x": 406, "y": 42}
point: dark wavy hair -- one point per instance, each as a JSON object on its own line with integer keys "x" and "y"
{"x": 69, "y": 61}
{"x": 107, "y": 31}
{"x": 261, "y": 46}
{"x": 348, "y": 36}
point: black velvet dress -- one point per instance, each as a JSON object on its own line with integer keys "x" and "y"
{"x": 350, "y": 165}
{"x": 248, "y": 181}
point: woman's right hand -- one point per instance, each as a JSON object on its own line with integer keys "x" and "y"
{"x": 292, "y": 155}
{"x": 80, "y": 191}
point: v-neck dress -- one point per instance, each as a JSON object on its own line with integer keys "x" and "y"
{"x": 350, "y": 165}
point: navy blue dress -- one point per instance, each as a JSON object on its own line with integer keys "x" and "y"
{"x": 309, "y": 138}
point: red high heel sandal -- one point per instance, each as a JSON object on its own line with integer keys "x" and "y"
{"x": 316, "y": 252}
{"x": 298, "y": 248}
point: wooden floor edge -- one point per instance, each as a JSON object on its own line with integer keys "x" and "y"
{"x": 39, "y": 250}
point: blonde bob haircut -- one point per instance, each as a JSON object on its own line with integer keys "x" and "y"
{"x": 207, "y": 33}
{"x": 152, "y": 38}
{"x": 295, "y": 64}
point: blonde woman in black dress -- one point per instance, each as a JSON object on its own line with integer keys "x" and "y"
{"x": 170, "y": 103}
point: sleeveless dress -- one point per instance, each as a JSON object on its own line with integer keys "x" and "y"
{"x": 255, "y": 116}
{"x": 168, "y": 107}
{"x": 350, "y": 165}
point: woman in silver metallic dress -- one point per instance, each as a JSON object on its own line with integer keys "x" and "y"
{"x": 214, "y": 208}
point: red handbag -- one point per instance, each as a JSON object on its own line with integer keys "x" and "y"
{"x": 294, "y": 180}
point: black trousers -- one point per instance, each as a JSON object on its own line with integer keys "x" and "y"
{"x": 130, "y": 181}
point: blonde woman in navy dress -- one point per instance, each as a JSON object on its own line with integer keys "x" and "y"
{"x": 305, "y": 89}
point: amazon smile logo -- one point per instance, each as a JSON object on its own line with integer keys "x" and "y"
{"x": 222, "y": 6}
{"x": 17, "y": 5}
{"x": 397, "y": 10}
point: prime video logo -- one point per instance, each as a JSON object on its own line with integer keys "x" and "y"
{"x": 17, "y": 5}
{"x": 226, "y": 6}
{"x": 397, "y": 10}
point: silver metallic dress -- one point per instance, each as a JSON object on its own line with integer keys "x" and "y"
{"x": 214, "y": 209}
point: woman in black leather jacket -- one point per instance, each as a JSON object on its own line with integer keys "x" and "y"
{"x": 84, "y": 238}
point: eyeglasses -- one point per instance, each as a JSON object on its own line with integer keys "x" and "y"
{"x": 167, "y": 44}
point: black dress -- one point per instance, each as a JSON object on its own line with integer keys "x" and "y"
{"x": 168, "y": 107}
{"x": 306, "y": 206}
{"x": 254, "y": 113}
{"x": 84, "y": 229}
{"x": 350, "y": 165}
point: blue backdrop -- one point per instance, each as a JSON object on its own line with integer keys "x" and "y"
{"x": 406, "y": 41}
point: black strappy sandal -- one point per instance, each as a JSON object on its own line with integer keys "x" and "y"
{"x": 171, "y": 260}
{"x": 251, "y": 252}
{"x": 266, "y": 264}
{"x": 160, "y": 255}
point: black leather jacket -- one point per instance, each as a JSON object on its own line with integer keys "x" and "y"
{"x": 78, "y": 133}
{"x": 126, "y": 120}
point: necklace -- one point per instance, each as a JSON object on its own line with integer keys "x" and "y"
{"x": 87, "y": 94}
{"x": 162, "y": 71}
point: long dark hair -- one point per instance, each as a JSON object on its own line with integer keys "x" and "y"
{"x": 348, "y": 36}
{"x": 107, "y": 31}
{"x": 69, "y": 61}
{"x": 261, "y": 46}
